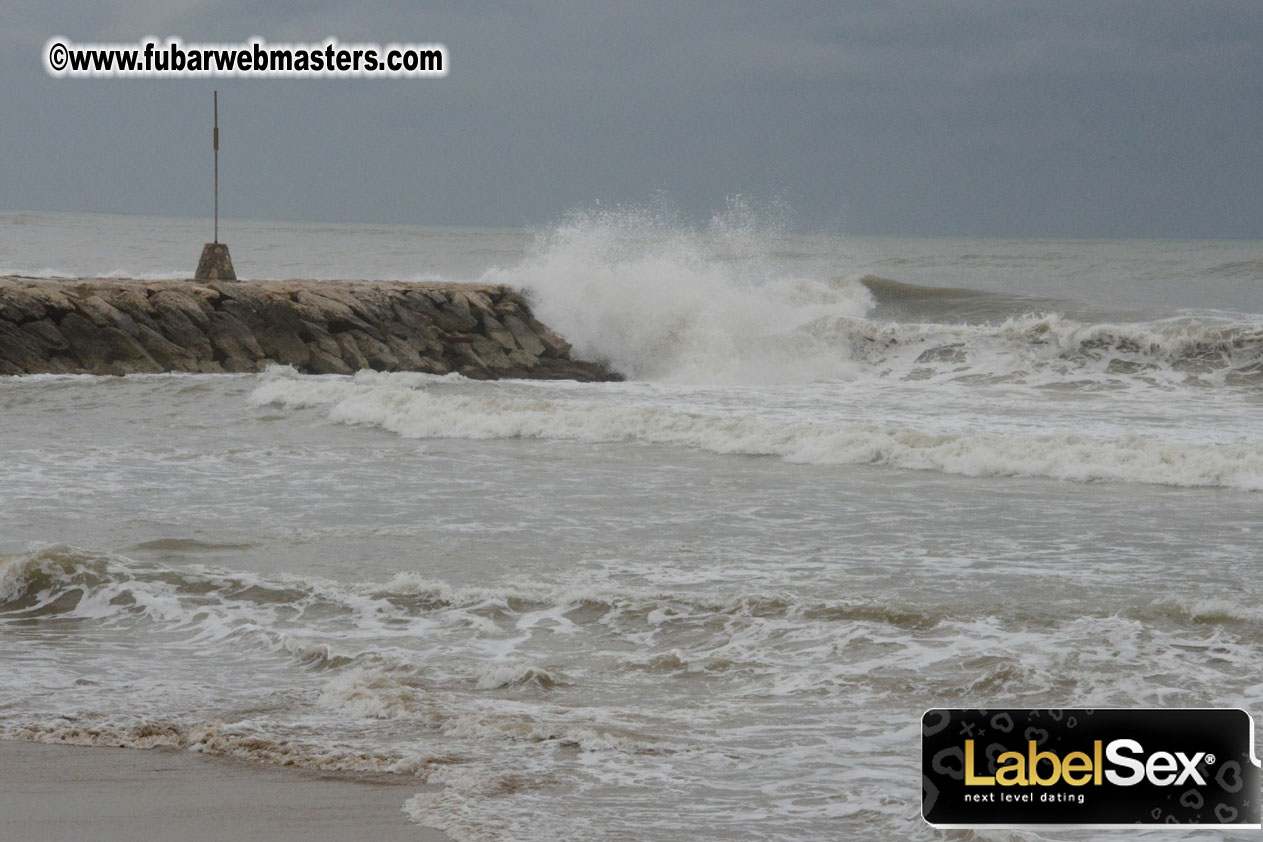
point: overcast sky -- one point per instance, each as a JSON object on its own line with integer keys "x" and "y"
{"x": 907, "y": 117}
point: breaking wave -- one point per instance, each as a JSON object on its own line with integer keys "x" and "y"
{"x": 721, "y": 304}
{"x": 1051, "y": 350}
{"x": 414, "y": 406}
{"x": 660, "y": 299}
{"x": 64, "y": 581}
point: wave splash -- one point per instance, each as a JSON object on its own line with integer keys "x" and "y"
{"x": 660, "y": 299}
{"x": 740, "y": 301}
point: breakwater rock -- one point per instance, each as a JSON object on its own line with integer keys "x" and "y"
{"x": 124, "y": 326}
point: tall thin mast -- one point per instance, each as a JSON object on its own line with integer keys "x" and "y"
{"x": 215, "y": 264}
{"x": 217, "y": 166}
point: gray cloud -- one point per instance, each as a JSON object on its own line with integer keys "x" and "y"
{"x": 1096, "y": 119}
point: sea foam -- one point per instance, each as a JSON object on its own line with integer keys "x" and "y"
{"x": 401, "y": 405}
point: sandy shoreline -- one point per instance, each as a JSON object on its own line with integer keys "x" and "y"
{"x": 54, "y": 792}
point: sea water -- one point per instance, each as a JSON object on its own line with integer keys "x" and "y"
{"x": 847, "y": 479}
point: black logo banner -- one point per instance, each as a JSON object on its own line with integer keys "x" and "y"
{"x": 1082, "y": 766}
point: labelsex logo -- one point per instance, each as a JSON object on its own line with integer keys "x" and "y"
{"x": 1094, "y": 767}
{"x": 1078, "y": 769}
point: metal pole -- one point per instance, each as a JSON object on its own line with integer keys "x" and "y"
{"x": 217, "y": 166}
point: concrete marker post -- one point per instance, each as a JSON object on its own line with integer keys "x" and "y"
{"x": 215, "y": 263}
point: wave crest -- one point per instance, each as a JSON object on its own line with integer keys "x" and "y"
{"x": 394, "y": 404}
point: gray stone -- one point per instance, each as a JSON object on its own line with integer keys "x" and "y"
{"x": 116, "y": 325}
{"x": 474, "y": 300}
{"x": 408, "y": 357}
{"x": 461, "y": 356}
{"x": 87, "y": 344}
{"x": 215, "y": 264}
{"x": 454, "y": 317}
{"x": 245, "y": 296}
{"x": 233, "y": 341}
{"x": 168, "y": 355}
{"x": 323, "y": 362}
{"x": 414, "y": 314}
{"x": 47, "y": 334}
{"x": 238, "y": 365}
{"x": 377, "y": 354}
{"x": 492, "y": 328}
{"x": 351, "y": 355}
{"x": 523, "y": 359}
{"x": 19, "y": 306}
{"x": 527, "y": 339}
{"x": 194, "y": 309}
{"x": 54, "y": 302}
{"x": 104, "y": 314}
{"x": 372, "y": 304}
{"x": 20, "y": 352}
{"x": 554, "y": 345}
{"x": 490, "y": 353}
{"x": 336, "y": 315}
{"x": 176, "y": 326}
{"x": 280, "y": 342}
{"x": 133, "y": 304}
{"x": 430, "y": 365}
{"x": 128, "y": 354}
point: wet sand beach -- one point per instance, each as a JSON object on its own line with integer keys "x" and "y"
{"x": 53, "y": 793}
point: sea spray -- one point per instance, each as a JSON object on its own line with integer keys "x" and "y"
{"x": 735, "y": 302}
{"x": 661, "y": 299}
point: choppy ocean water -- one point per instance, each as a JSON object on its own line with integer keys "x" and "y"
{"x": 846, "y": 481}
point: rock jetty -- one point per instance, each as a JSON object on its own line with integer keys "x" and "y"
{"x": 125, "y": 326}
